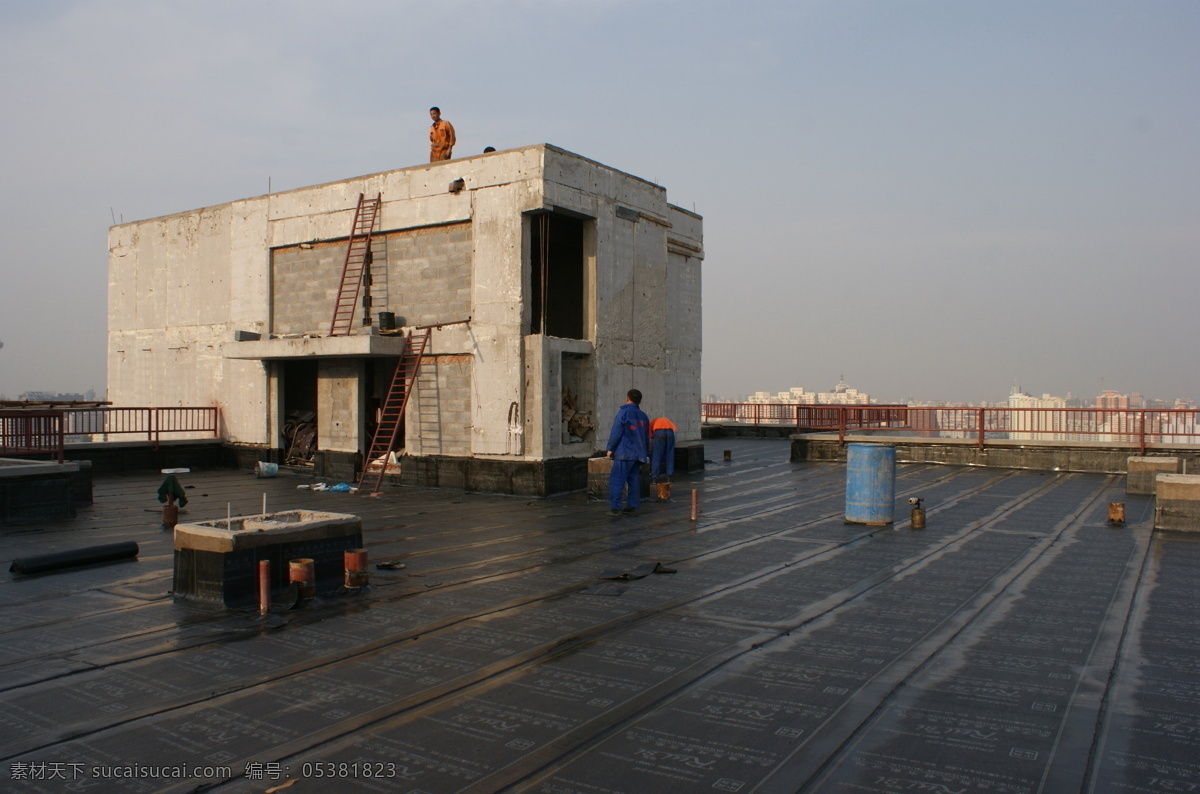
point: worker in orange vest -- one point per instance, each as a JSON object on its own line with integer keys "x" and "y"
{"x": 441, "y": 136}
{"x": 662, "y": 453}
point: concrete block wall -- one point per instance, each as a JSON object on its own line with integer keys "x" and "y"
{"x": 305, "y": 282}
{"x": 438, "y": 418}
{"x": 428, "y": 279}
{"x": 429, "y": 274}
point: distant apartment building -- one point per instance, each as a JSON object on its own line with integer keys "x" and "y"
{"x": 1117, "y": 421}
{"x": 1127, "y": 418}
{"x": 1112, "y": 401}
{"x": 1042, "y": 425}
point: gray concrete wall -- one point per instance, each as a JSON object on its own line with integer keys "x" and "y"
{"x": 498, "y": 302}
{"x": 645, "y": 275}
{"x": 550, "y": 364}
{"x": 180, "y": 286}
{"x": 340, "y": 404}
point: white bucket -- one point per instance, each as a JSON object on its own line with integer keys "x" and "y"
{"x": 265, "y": 469}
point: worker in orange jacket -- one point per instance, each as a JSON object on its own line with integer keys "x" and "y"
{"x": 662, "y": 447}
{"x": 441, "y": 136}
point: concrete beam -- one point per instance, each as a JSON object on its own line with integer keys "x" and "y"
{"x": 1177, "y": 502}
{"x": 1142, "y": 470}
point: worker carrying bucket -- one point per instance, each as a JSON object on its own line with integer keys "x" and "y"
{"x": 662, "y": 455}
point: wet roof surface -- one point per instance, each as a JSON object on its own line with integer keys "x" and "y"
{"x": 1016, "y": 644}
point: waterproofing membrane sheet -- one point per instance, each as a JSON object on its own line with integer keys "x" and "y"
{"x": 1017, "y": 644}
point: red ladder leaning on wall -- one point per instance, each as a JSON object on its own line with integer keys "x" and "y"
{"x": 392, "y": 412}
{"x": 358, "y": 259}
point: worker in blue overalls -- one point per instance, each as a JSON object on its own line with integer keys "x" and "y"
{"x": 628, "y": 444}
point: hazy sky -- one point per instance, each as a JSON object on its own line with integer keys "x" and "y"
{"x": 934, "y": 198}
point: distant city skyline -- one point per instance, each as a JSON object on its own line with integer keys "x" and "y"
{"x": 745, "y": 396}
{"x": 936, "y": 198}
{"x": 1086, "y": 399}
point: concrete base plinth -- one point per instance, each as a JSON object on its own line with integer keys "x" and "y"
{"x": 688, "y": 458}
{"x": 523, "y": 477}
{"x": 219, "y": 563}
{"x": 1030, "y": 455}
{"x": 1177, "y": 502}
{"x": 33, "y": 491}
{"x": 599, "y": 470}
{"x": 1142, "y": 470}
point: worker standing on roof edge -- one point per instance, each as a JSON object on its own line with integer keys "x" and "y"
{"x": 628, "y": 443}
{"x": 441, "y": 136}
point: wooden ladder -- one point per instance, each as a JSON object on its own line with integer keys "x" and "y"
{"x": 392, "y": 412}
{"x": 358, "y": 261}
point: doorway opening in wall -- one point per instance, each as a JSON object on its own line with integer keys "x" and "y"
{"x": 558, "y": 277}
{"x": 379, "y": 376}
{"x": 299, "y": 428}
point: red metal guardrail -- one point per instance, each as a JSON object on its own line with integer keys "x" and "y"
{"x": 31, "y": 433}
{"x": 45, "y": 432}
{"x": 1143, "y": 428}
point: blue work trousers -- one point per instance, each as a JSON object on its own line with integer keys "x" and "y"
{"x": 625, "y": 472}
{"x": 662, "y": 454}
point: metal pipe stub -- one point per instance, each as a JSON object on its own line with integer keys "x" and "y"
{"x": 1116, "y": 514}
{"x": 917, "y": 520}
{"x": 664, "y": 491}
{"x": 302, "y": 573}
{"x": 356, "y": 568}
{"x": 264, "y": 586}
{"x": 170, "y": 515}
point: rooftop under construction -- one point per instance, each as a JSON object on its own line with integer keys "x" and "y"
{"x": 1018, "y": 643}
{"x": 480, "y": 318}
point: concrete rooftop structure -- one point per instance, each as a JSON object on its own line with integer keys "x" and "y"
{"x": 547, "y": 277}
{"x": 1017, "y": 644}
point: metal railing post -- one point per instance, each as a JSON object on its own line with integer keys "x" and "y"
{"x": 981, "y": 430}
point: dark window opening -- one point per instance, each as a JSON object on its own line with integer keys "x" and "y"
{"x": 557, "y": 275}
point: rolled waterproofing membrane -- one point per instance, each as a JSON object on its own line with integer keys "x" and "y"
{"x": 88, "y": 555}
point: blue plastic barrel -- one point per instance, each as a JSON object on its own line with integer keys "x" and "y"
{"x": 870, "y": 484}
